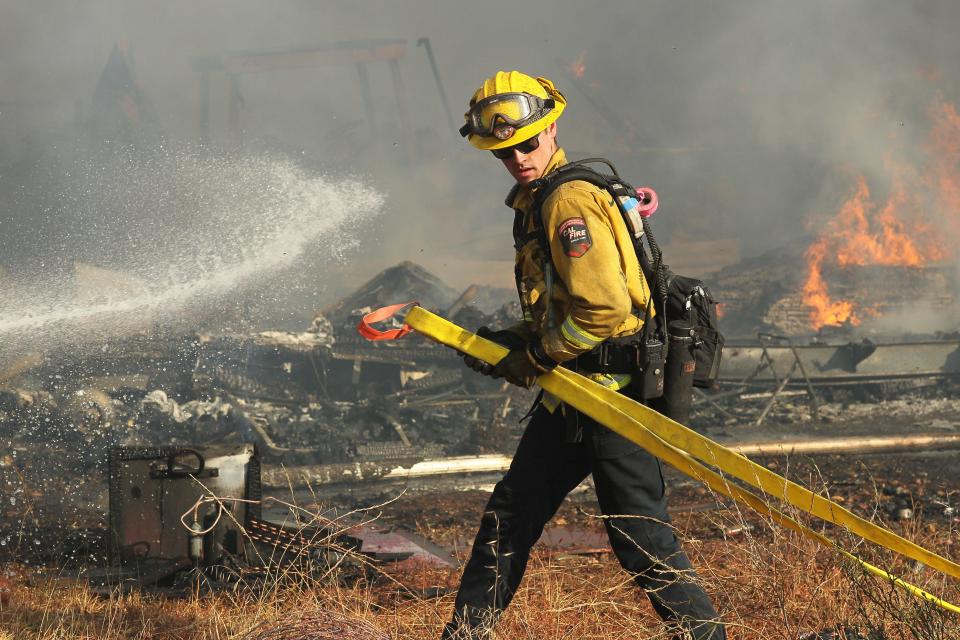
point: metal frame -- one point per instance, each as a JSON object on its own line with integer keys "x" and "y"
{"x": 767, "y": 362}
{"x": 359, "y": 53}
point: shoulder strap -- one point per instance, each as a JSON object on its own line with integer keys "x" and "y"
{"x": 545, "y": 186}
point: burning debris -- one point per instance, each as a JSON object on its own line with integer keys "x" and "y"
{"x": 765, "y": 294}
{"x": 865, "y": 234}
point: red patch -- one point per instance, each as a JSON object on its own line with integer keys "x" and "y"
{"x": 575, "y": 237}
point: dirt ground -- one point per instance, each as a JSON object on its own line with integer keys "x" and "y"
{"x": 766, "y": 582}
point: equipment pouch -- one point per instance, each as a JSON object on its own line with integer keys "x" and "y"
{"x": 707, "y": 357}
{"x": 654, "y": 359}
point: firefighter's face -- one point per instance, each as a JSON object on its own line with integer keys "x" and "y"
{"x": 527, "y": 167}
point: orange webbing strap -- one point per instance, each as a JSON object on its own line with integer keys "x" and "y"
{"x": 384, "y": 313}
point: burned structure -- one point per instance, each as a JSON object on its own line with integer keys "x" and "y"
{"x": 321, "y": 399}
{"x": 326, "y": 396}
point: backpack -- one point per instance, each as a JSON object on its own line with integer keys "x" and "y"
{"x": 673, "y": 296}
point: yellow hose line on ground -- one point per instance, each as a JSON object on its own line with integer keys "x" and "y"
{"x": 740, "y": 467}
{"x": 676, "y": 445}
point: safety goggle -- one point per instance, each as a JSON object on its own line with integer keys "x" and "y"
{"x": 523, "y": 147}
{"x": 501, "y": 115}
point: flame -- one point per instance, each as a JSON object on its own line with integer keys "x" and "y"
{"x": 909, "y": 229}
{"x": 824, "y": 311}
{"x": 579, "y": 67}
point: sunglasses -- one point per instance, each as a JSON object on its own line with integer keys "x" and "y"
{"x": 523, "y": 147}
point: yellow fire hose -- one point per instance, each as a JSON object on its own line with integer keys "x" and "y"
{"x": 681, "y": 448}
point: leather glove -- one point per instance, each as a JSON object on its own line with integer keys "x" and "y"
{"x": 478, "y": 365}
{"x": 518, "y": 368}
{"x": 522, "y": 366}
{"x": 503, "y": 337}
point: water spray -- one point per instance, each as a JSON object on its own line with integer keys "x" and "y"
{"x": 190, "y": 233}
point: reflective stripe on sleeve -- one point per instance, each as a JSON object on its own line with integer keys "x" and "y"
{"x": 575, "y": 335}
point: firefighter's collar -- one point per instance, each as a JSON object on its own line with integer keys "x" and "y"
{"x": 520, "y": 196}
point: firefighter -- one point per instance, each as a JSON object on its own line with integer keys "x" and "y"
{"x": 579, "y": 311}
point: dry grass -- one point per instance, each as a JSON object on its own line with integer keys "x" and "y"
{"x": 768, "y": 584}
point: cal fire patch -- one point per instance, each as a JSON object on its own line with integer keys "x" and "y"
{"x": 575, "y": 237}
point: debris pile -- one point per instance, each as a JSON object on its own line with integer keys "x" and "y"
{"x": 348, "y": 408}
{"x": 323, "y": 397}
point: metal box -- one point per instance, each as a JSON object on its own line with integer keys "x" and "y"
{"x": 152, "y": 493}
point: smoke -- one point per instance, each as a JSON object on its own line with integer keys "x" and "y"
{"x": 748, "y": 117}
{"x": 922, "y": 318}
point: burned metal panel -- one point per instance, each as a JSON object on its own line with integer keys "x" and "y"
{"x": 385, "y": 543}
{"x": 826, "y": 363}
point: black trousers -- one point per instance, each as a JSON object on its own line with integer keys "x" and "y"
{"x": 628, "y": 481}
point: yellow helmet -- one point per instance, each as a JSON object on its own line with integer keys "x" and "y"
{"x": 511, "y": 107}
